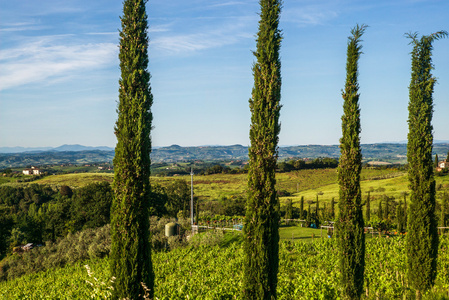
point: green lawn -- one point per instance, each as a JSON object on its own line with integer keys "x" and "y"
{"x": 296, "y": 233}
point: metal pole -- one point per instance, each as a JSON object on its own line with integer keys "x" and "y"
{"x": 191, "y": 196}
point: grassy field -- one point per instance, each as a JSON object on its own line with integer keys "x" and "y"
{"x": 292, "y": 185}
{"x": 75, "y": 180}
{"x": 394, "y": 187}
{"x": 298, "y": 233}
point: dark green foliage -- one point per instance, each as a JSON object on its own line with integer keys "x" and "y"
{"x": 308, "y": 216}
{"x": 91, "y": 206}
{"x": 444, "y": 222}
{"x": 289, "y": 209}
{"x": 317, "y": 163}
{"x": 301, "y": 208}
{"x": 436, "y": 161}
{"x": 380, "y": 211}
{"x": 131, "y": 249}
{"x": 387, "y": 207}
{"x": 350, "y": 224}
{"x": 65, "y": 191}
{"x": 422, "y": 236}
{"x": 368, "y": 207}
{"x": 400, "y": 218}
{"x": 234, "y": 207}
{"x": 6, "y": 225}
{"x": 40, "y": 213}
{"x": 159, "y": 199}
{"x": 178, "y": 197}
{"x": 333, "y": 208}
{"x": 261, "y": 230}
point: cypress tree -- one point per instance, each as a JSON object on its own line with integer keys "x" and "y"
{"x": 387, "y": 208}
{"x": 436, "y": 161}
{"x": 351, "y": 239}
{"x": 333, "y": 208}
{"x": 444, "y": 209}
{"x": 130, "y": 250}
{"x": 301, "y": 208}
{"x": 309, "y": 216}
{"x": 405, "y": 212}
{"x": 422, "y": 235}
{"x": 380, "y": 212}
{"x": 289, "y": 209}
{"x": 261, "y": 231}
{"x": 368, "y": 208}
{"x": 400, "y": 217}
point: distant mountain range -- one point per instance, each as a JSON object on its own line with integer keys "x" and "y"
{"x": 62, "y": 148}
{"x": 78, "y": 154}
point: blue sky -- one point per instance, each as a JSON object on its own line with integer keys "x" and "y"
{"x": 59, "y": 70}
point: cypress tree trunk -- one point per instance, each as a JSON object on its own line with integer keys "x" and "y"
{"x": 351, "y": 239}
{"x": 130, "y": 250}
{"x": 261, "y": 229}
{"x": 422, "y": 235}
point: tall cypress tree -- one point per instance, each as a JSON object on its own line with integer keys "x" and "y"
{"x": 422, "y": 235}
{"x": 351, "y": 239}
{"x": 380, "y": 212}
{"x": 368, "y": 207}
{"x": 301, "y": 208}
{"x": 261, "y": 229}
{"x": 130, "y": 250}
{"x": 333, "y": 208}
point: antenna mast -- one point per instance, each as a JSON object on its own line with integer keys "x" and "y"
{"x": 191, "y": 197}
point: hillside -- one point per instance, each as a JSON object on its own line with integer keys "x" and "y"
{"x": 292, "y": 185}
{"x": 391, "y": 153}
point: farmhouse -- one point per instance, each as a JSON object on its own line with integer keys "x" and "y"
{"x": 32, "y": 171}
{"x": 443, "y": 165}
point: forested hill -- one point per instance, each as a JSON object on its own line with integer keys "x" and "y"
{"x": 394, "y": 153}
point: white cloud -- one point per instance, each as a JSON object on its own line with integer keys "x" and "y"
{"x": 229, "y": 3}
{"x": 21, "y": 26}
{"x": 233, "y": 31}
{"x": 48, "y": 58}
{"x": 309, "y": 15}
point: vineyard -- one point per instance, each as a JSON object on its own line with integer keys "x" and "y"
{"x": 307, "y": 271}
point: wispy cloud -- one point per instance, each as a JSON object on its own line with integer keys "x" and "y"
{"x": 229, "y": 3}
{"x": 310, "y": 14}
{"x": 21, "y": 26}
{"x": 49, "y": 58}
{"x": 233, "y": 31}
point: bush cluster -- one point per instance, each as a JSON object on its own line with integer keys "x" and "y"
{"x": 87, "y": 244}
{"x": 96, "y": 243}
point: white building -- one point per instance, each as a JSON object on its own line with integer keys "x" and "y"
{"x": 32, "y": 171}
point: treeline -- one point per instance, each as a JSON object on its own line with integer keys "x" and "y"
{"x": 39, "y": 213}
{"x": 300, "y": 164}
{"x": 238, "y": 167}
